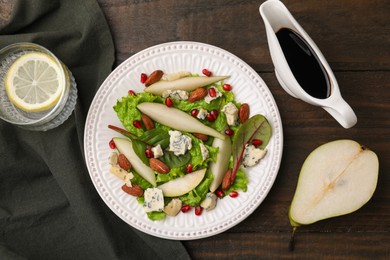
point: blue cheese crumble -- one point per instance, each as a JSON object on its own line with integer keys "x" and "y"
{"x": 157, "y": 151}
{"x": 209, "y": 98}
{"x": 179, "y": 144}
{"x": 209, "y": 202}
{"x": 154, "y": 200}
{"x": 204, "y": 151}
{"x": 202, "y": 113}
{"x": 231, "y": 113}
{"x": 252, "y": 155}
{"x": 175, "y": 94}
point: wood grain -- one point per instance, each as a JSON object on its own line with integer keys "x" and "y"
{"x": 274, "y": 245}
{"x": 351, "y": 34}
{"x": 354, "y": 37}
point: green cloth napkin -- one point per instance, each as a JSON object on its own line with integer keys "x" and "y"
{"x": 49, "y": 208}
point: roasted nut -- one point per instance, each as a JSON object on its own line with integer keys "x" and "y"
{"x": 148, "y": 123}
{"x": 123, "y": 162}
{"x": 154, "y": 77}
{"x": 134, "y": 190}
{"x": 197, "y": 94}
{"x": 243, "y": 112}
{"x": 226, "y": 182}
{"x": 202, "y": 137}
{"x": 158, "y": 165}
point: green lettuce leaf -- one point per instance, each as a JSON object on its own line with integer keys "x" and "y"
{"x": 155, "y": 215}
{"x": 174, "y": 161}
{"x": 127, "y": 111}
{"x": 240, "y": 182}
{"x": 155, "y": 136}
{"x": 197, "y": 195}
{"x": 172, "y": 174}
{"x": 196, "y": 154}
{"x": 137, "y": 179}
{"x": 139, "y": 149}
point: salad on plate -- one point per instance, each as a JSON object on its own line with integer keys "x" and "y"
{"x": 185, "y": 143}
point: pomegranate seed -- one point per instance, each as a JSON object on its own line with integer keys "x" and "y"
{"x": 212, "y": 92}
{"x": 229, "y": 132}
{"x": 194, "y": 112}
{"x": 137, "y": 124}
{"x": 219, "y": 193}
{"x": 149, "y": 153}
{"x": 185, "y": 208}
{"x": 227, "y": 87}
{"x": 233, "y": 194}
{"x": 169, "y": 102}
{"x": 210, "y": 117}
{"x": 189, "y": 168}
{"x": 214, "y": 113}
{"x": 206, "y": 72}
{"x": 131, "y": 92}
{"x": 144, "y": 77}
{"x": 257, "y": 142}
{"x": 112, "y": 144}
{"x": 198, "y": 210}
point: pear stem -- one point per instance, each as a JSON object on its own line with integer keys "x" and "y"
{"x": 291, "y": 244}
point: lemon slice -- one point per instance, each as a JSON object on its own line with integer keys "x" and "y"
{"x": 34, "y": 82}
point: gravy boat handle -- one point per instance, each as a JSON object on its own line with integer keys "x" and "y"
{"x": 341, "y": 111}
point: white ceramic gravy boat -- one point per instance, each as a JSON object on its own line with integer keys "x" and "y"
{"x": 276, "y": 16}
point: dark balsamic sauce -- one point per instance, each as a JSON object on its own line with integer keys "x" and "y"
{"x": 304, "y": 64}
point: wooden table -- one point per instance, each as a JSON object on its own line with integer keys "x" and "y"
{"x": 354, "y": 36}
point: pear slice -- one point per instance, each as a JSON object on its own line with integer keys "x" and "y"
{"x": 125, "y": 147}
{"x": 221, "y": 165}
{"x": 177, "y": 119}
{"x": 337, "y": 178}
{"x": 186, "y": 83}
{"x": 182, "y": 185}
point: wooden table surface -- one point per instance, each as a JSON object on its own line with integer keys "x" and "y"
{"x": 354, "y": 36}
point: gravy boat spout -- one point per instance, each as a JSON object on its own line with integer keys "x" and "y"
{"x": 278, "y": 19}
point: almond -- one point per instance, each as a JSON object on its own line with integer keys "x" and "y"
{"x": 243, "y": 112}
{"x": 134, "y": 190}
{"x": 154, "y": 77}
{"x": 123, "y": 162}
{"x": 202, "y": 137}
{"x": 226, "y": 182}
{"x": 197, "y": 94}
{"x": 158, "y": 165}
{"x": 148, "y": 123}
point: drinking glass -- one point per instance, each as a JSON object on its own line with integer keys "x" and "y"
{"x": 42, "y": 120}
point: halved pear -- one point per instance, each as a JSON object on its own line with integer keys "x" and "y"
{"x": 125, "y": 147}
{"x": 182, "y": 185}
{"x": 186, "y": 83}
{"x": 337, "y": 178}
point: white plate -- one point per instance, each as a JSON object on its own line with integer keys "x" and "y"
{"x": 172, "y": 57}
